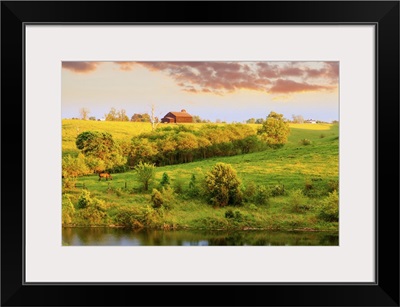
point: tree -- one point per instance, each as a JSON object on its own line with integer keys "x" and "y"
{"x": 298, "y": 119}
{"x": 116, "y": 115}
{"x": 223, "y": 185}
{"x": 146, "y": 173}
{"x": 121, "y": 116}
{"x": 143, "y": 118}
{"x": 84, "y": 112}
{"x": 165, "y": 180}
{"x": 102, "y": 146}
{"x": 153, "y": 119}
{"x": 275, "y": 130}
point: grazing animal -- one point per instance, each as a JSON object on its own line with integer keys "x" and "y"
{"x": 105, "y": 175}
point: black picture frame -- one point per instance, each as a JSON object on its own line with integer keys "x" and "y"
{"x": 383, "y": 14}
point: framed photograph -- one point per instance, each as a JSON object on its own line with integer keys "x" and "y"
{"x": 251, "y": 148}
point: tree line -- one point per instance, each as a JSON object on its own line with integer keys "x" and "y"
{"x": 173, "y": 145}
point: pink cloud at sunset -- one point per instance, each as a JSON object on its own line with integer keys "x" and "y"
{"x": 227, "y": 77}
{"x": 80, "y": 67}
{"x": 290, "y": 86}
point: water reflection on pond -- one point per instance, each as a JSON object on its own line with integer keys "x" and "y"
{"x": 104, "y": 236}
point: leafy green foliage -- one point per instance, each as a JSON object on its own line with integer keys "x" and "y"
{"x": 73, "y": 167}
{"x": 193, "y": 187}
{"x": 297, "y": 200}
{"x": 278, "y": 190}
{"x": 305, "y": 142}
{"x": 100, "y": 146}
{"x": 165, "y": 180}
{"x": 275, "y": 130}
{"x": 84, "y": 199}
{"x": 117, "y": 115}
{"x": 68, "y": 210}
{"x": 223, "y": 185}
{"x": 157, "y": 199}
{"x": 329, "y": 209}
{"x": 262, "y": 195}
{"x": 145, "y": 173}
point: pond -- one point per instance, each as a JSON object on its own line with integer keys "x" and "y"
{"x": 107, "y": 236}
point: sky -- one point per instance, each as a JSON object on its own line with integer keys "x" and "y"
{"x": 226, "y": 91}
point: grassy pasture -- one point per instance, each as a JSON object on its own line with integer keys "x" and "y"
{"x": 292, "y": 166}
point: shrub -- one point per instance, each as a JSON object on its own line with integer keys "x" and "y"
{"x": 223, "y": 185}
{"x": 156, "y": 199}
{"x": 229, "y": 214}
{"x": 253, "y": 207}
{"x": 136, "y": 217}
{"x": 168, "y": 197}
{"x": 178, "y": 186}
{"x": 235, "y": 215}
{"x": 305, "y": 142}
{"x": 297, "y": 200}
{"x": 68, "y": 210}
{"x": 84, "y": 199}
{"x": 193, "y": 187}
{"x": 249, "y": 191}
{"x": 262, "y": 195}
{"x": 93, "y": 214}
{"x": 333, "y": 185}
{"x": 277, "y": 190}
{"x": 165, "y": 180}
{"x": 322, "y": 136}
{"x": 329, "y": 209}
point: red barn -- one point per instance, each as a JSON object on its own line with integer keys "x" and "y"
{"x": 177, "y": 117}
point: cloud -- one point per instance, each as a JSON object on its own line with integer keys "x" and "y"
{"x": 222, "y": 78}
{"x": 282, "y": 86}
{"x": 125, "y": 66}
{"x": 211, "y": 77}
{"x": 80, "y": 67}
{"x": 330, "y": 72}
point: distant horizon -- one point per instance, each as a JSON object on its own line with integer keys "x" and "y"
{"x": 225, "y": 91}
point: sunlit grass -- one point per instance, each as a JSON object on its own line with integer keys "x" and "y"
{"x": 292, "y": 166}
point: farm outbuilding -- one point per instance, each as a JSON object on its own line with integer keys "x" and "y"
{"x": 177, "y": 117}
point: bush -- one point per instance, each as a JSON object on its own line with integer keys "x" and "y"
{"x": 168, "y": 197}
{"x": 277, "y": 190}
{"x": 297, "y": 201}
{"x": 237, "y": 215}
{"x": 329, "y": 209}
{"x": 333, "y": 185}
{"x": 262, "y": 195}
{"x": 156, "y": 199}
{"x": 178, "y": 186}
{"x": 223, "y": 185}
{"x": 165, "y": 180}
{"x": 193, "y": 187}
{"x": 229, "y": 214}
{"x": 84, "y": 199}
{"x": 136, "y": 217}
{"x": 93, "y": 214}
{"x": 68, "y": 210}
{"x": 305, "y": 142}
{"x": 322, "y": 136}
{"x": 249, "y": 191}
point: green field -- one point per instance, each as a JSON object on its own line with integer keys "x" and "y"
{"x": 312, "y": 169}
